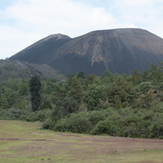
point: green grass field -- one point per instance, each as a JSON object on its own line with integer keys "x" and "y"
{"x": 24, "y": 142}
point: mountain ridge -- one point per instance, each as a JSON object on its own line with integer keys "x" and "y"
{"x": 118, "y": 50}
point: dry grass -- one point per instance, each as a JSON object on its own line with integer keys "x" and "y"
{"x": 25, "y": 142}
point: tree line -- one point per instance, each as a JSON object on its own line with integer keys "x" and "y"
{"x": 113, "y": 104}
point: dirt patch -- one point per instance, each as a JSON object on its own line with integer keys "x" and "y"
{"x": 15, "y": 139}
{"x": 146, "y": 162}
{"x": 12, "y": 139}
{"x": 69, "y": 135}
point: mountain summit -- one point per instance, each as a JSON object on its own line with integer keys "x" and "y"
{"x": 117, "y": 50}
{"x": 43, "y": 50}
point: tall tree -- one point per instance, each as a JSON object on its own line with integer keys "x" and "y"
{"x": 75, "y": 89}
{"x": 35, "y": 87}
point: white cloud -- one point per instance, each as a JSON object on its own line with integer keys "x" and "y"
{"x": 13, "y": 40}
{"x": 143, "y": 13}
{"x": 64, "y": 15}
{"x": 27, "y": 21}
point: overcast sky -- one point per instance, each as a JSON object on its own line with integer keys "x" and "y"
{"x": 23, "y": 22}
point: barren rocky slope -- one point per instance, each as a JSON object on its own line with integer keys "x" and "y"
{"x": 118, "y": 50}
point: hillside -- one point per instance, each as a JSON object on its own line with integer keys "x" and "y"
{"x": 19, "y": 69}
{"x": 118, "y": 50}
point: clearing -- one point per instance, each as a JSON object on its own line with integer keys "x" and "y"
{"x": 25, "y": 142}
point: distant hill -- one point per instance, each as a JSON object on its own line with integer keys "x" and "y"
{"x": 117, "y": 50}
{"x": 19, "y": 69}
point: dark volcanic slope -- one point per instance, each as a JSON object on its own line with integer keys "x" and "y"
{"x": 119, "y": 50}
{"x": 42, "y": 51}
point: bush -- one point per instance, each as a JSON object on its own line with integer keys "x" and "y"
{"x": 11, "y": 114}
{"x": 61, "y": 125}
{"x": 109, "y": 127}
{"x": 40, "y": 115}
{"x": 79, "y": 123}
{"x": 101, "y": 128}
{"x": 48, "y": 124}
{"x": 96, "y": 116}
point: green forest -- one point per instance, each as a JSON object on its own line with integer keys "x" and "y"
{"x": 112, "y": 104}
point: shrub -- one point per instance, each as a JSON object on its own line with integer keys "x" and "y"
{"x": 11, "y": 114}
{"x": 79, "y": 123}
{"x": 96, "y": 116}
{"x": 48, "y": 124}
{"x": 61, "y": 125}
{"x": 101, "y": 127}
{"x": 40, "y": 115}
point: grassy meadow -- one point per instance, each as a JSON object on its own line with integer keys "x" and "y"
{"x": 25, "y": 142}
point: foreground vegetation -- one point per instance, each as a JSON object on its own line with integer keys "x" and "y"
{"x": 113, "y": 104}
{"x": 25, "y": 142}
